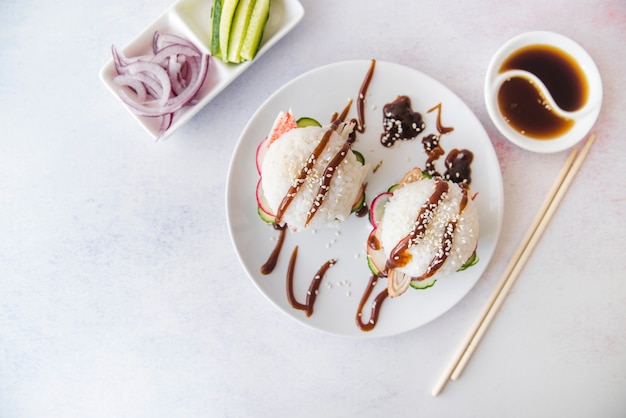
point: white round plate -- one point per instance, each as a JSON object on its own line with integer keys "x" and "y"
{"x": 318, "y": 94}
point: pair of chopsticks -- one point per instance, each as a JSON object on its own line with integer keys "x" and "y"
{"x": 513, "y": 269}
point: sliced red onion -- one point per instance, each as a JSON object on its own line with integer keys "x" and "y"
{"x": 153, "y": 70}
{"x": 132, "y": 82}
{"x": 161, "y": 40}
{"x": 161, "y": 84}
{"x": 149, "y": 83}
{"x": 166, "y": 122}
{"x": 173, "y": 51}
{"x": 175, "y": 103}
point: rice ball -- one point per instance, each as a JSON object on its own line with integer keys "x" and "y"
{"x": 283, "y": 163}
{"x": 454, "y": 213}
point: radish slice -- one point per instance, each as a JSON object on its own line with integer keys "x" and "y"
{"x": 262, "y": 203}
{"x": 173, "y": 104}
{"x": 377, "y": 208}
{"x": 261, "y": 149}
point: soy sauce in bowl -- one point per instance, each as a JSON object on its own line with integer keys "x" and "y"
{"x": 543, "y": 91}
{"x": 523, "y": 103}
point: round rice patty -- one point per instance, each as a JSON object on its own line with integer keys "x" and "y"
{"x": 282, "y": 165}
{"x": 399, "y": 217}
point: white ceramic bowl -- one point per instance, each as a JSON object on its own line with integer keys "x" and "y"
{"x": 584, "y": 118}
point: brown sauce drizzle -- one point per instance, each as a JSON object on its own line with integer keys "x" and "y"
{"x": 446, "y": 243}
{"x": 270, "y": 264}
{"x": 341, "y": 117}
{"x": 373, "y": 242}
{"x": 376, "y": 305}
{"x": 327, "y": 177}
{"x": 399, "y": 256}
{"x": 293, "y": 189}
{"x": 400, "y": 122}
{"x": 344, "y": 114}
{"x": 360, "y": 103}
{"x": 311, "y": 294}
{"x": 457, "y": 162}
{"x": 440, "y": 128}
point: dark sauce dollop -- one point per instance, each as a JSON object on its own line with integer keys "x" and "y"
{"x": 459, "y": 166}
{"x": 458, "y": 161}
{"x": 433, "y": 151}
{"x": 400, "y": 122}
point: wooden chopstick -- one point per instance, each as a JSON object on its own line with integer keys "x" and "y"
{"x": 546, "y": 211}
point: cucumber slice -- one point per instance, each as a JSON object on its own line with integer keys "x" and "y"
{"x": 359, "y": 157}
{"x": 373, "y": 268}
{"x": 423, "y": 284}
{"x": 226, "y": 22}
{"x": 216, "y": 14}
{"x": 375, "y": 257}
{"x": 470, "y": 262}
{"x": 270, "y": 219}
{"x": 360, "y": 202}
{"x": 238, "y": 29}
{"x": 304, "y": 122}
{"x": 256, "y": 26}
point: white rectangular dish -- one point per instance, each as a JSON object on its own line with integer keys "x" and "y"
{"x": 192, "y": 20}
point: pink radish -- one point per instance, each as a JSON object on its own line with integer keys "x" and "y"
{"x": 264, "y": 209}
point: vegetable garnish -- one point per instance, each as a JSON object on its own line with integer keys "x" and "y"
{"x": 161, "y": 84}
{"x": 237, "y": 28}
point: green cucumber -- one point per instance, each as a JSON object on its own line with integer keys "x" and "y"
{"x": 226, "y": 22}
{"x": 376, "y": 259}
{"x": 238, "y": 29}
{"x": 373, "y": 268}
{"x": 470, "y": 262}
{"x": 216, "y": 14}
{"x": 270, "y": 219}
{"x": 360, "y": 202}
{"x": 256, "y": 27}
{"x": 359, "y": 157}
{"x": 305, "y": 121}
{"x": 423, "y": 284}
